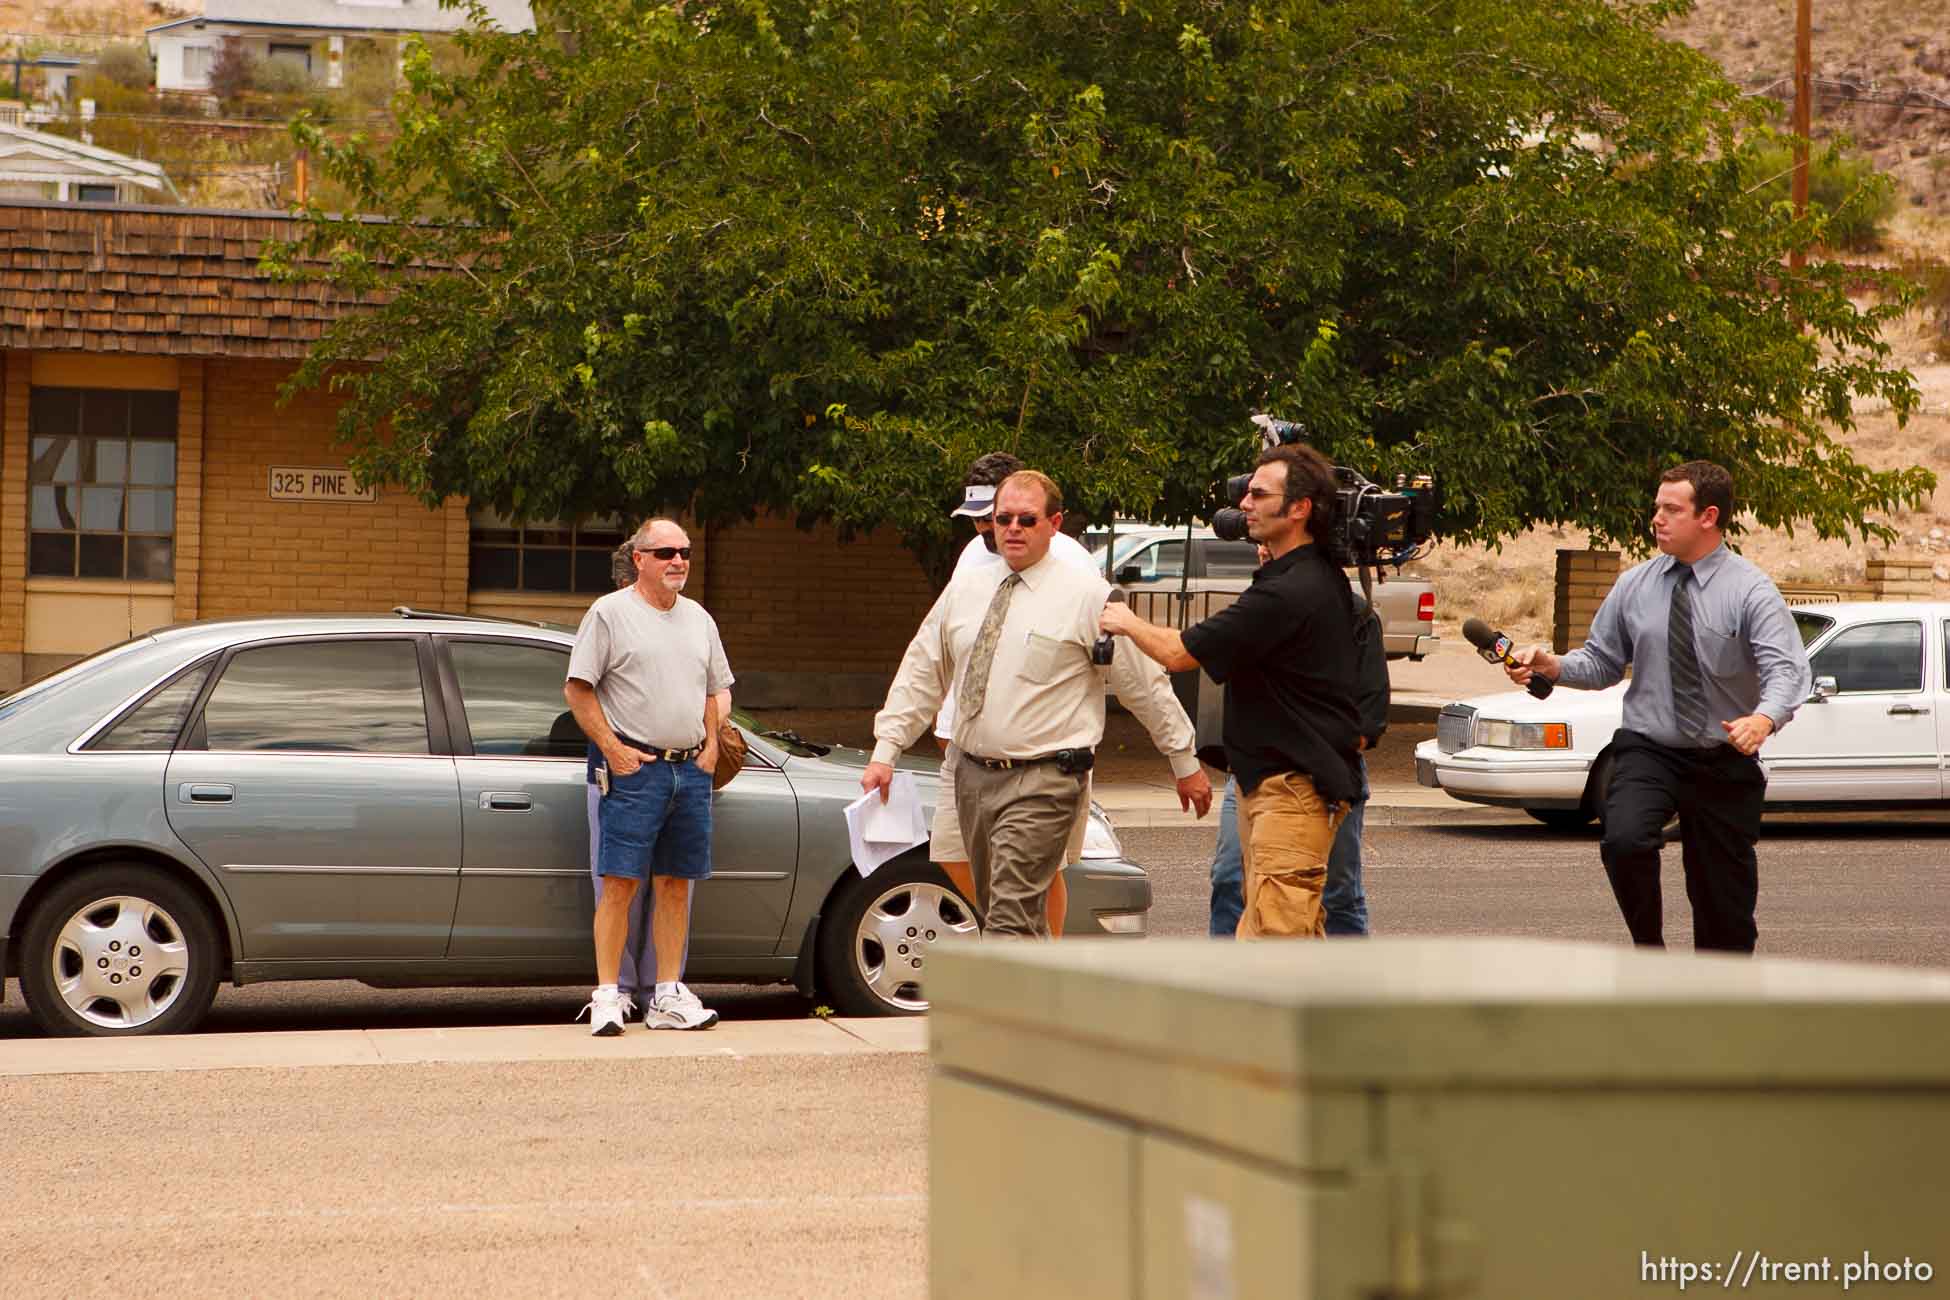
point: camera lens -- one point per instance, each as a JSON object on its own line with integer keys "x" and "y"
{"x": 1229, "y": 525}
{"x": 1236, "y": 488}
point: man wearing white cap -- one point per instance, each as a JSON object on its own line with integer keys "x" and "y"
{"x": 945, "y": 844}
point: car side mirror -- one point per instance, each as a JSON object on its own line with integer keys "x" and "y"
{"x": 1825, "y": 690}
{"x": 1130, "y": 573}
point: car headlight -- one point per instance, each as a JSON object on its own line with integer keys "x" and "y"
{"x": 1099, "y": 840}
{"x": 1523, "y": 735}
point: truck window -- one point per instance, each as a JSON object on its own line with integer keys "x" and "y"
{"x": 1229, "y": 559}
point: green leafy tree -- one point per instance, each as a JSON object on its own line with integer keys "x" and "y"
{"x": 816, "y": 257}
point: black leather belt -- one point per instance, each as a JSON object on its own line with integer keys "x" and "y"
{"x": 666, "y": 755}
{"x": 1070, "y": 761}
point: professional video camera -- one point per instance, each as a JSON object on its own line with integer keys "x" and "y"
{"x": 1370, "y": 526}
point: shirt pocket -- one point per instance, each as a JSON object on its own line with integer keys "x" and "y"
{"x": 1721, "y": 652}
{"x": 1047, "y": 659}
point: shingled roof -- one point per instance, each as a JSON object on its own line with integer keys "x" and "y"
{"x": 169, "y": 281}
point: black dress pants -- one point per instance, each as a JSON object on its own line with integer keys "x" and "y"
{"x": 1718, "y": 794}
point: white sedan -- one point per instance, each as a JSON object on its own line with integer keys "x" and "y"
{"x": 1873, "y": 735}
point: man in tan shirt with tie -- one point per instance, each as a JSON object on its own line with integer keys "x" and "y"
{"x": 1030, "y": 712}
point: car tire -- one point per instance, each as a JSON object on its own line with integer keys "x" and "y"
{"x": 119, "y": 950}
{"x": 1562, "y": 819}
{"x": 876, "y": 936}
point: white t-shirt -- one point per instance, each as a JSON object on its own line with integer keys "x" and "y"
{"x": 977, "y": 555}
{"x": 651, "y": 668}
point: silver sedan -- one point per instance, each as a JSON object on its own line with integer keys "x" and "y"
{"x": 402, "y": 800}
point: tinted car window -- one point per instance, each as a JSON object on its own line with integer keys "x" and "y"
{"x": 512, "y": 695}
{"x": 1874, "y": 657}
{"x": 1810, "y": 626}
{"x": 332, "y": 696}
{"x": 154, "y": 723}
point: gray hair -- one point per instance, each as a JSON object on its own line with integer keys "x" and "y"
{"x": 643, "y": 530}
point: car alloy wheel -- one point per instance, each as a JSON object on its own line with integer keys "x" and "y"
{"x": 877, "y": 933}
{"x": 120, "y": 962}
{"x": 119, "y": 950}
{"x": 892, "y": 943}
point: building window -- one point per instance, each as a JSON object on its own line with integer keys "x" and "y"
{"x": 94, "y": 193}
{"x": 541, "y": 556}
{"x": 197, "y": 60}
{"x": 297, "y": 55}
{"x": 102, "y": 484}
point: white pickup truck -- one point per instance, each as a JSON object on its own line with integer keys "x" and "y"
{"x": 1152, "y": 562}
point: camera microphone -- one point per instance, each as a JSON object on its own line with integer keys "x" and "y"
{"x": 1106, "y": 647}
{"x": 1496, "y": 648}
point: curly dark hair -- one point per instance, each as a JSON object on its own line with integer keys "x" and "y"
{"x": 1309, "y": 477}
{"x": 990, "y": 470}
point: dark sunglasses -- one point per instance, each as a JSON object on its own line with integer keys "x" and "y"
{"x": 666, "y": 552}
{"x": 1027, "y": 521}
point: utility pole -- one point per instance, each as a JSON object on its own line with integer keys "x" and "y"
{"x": 1804, "y": 86}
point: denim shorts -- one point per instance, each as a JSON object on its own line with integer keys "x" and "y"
{"x": 657, "y": 821}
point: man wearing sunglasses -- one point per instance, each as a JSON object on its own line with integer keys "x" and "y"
{"x": 1285, "y": 653}
{"x": 636, "y": 979}
{"x": 1029, "y": 706}
{"x": 643, "y": 683}
{"x": 946, "y": 846}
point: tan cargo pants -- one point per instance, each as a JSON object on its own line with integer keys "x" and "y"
{"x": 1285, "y": 834}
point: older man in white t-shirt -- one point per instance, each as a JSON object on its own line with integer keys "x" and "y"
{"x": 643, "y": 682}
{"x": 945, "y": 844}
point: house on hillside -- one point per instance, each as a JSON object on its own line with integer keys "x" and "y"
{"x": 39, "y": 165}
{"x": 309, "y": 33}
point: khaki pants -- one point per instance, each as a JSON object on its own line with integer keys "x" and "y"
{"x": 1285, "y": 835}
{"x": 1017, "y": 824}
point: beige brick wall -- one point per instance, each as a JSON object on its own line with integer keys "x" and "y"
{"x": 189, "y": 489}
{"x": 1584, "y": 579}
{"x": 14, "y": 370}
{"x": 263, "y": 556}
{"x": 794, "y": 601}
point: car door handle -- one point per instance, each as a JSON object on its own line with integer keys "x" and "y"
{"x": 505, "y": 801}
{"x": 189, "y": 792}
{"x": 1905, "y": 711}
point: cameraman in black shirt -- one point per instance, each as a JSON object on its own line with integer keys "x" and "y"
{"x": 1285, "y": 653}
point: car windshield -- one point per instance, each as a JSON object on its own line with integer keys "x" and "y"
{"x": 1811, "y": 626}
{"x": 790, "y": 741}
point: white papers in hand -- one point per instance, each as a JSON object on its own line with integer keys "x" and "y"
{"x": 878, "y": 831}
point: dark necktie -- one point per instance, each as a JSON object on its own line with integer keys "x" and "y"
{"x": 1688, "y": 685}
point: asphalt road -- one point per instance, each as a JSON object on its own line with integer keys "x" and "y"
{"x": 1855, "y": 888}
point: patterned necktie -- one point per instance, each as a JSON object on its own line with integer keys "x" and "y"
{"x": 1688, "y": 686}
{"x": 975, "y": 682}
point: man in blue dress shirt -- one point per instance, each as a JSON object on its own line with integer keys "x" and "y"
{"x": 1717, "y": 667}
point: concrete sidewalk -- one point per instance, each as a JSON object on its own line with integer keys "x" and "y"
{"x": 731, "y": 1040}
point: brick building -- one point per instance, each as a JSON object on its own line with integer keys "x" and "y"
{"x": 148, "y": 475}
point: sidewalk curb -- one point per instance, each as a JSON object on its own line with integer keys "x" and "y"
{"x": 470, "y": 1045}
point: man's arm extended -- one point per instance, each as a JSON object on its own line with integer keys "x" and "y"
{"x": 1163, "y": 644}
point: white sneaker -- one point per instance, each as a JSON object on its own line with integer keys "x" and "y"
{"x": 678, "y": 1009}
{"x": 606, "y": 1011}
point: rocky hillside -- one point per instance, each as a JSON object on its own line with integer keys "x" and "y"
{"x": 1882, "y": 76}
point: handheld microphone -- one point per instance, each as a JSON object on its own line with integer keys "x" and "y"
{"x": 1496, "y": 648}
{"x": 1106, "y": 647}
